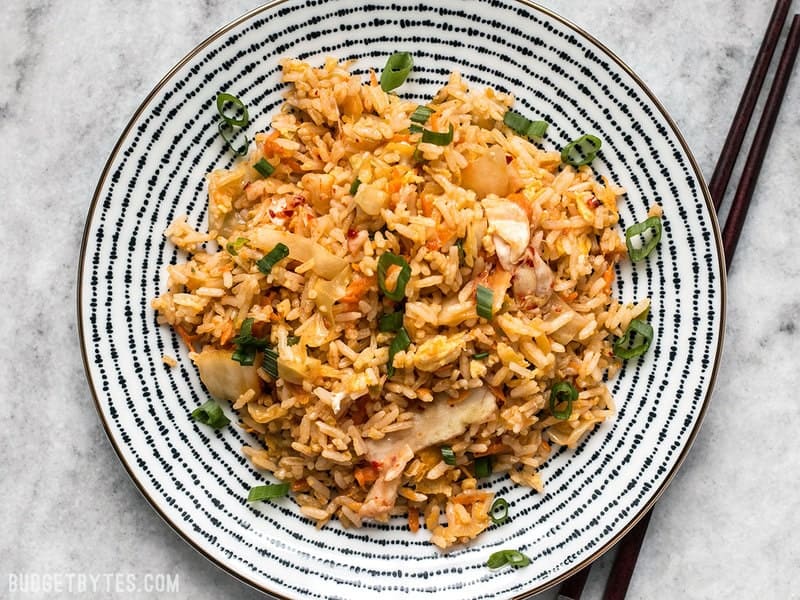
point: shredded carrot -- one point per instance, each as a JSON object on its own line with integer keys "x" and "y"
{"x": 494, "y": 448}
{"x": 401, "y": 137}
{"x": 570, "y": 297}
{"x": 441, "y": 236}
{"x": 433, "y": 243}
{"x": 187, "y": 339}
{"x": 357, "y": 289}
{"x": 426, "y": 202}
{"x": 470, "y": 496}
{"x": 291, "y": 164}
{"x": 269, "y": 147}
{"x": 609, "y": 277}
{"x": 413, "y": 519}
{"x": 300, "y": 485}
{"x": 365, "y": 475}
{"x": 227, "y": 333}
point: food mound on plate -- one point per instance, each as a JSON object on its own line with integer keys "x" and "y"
{"x": 400, "y": 299}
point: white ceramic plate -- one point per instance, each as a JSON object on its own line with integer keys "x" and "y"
{"x": 198, "y": 479}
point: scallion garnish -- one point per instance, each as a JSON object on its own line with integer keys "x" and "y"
{"x": 238, "y": 106}
{"x": 563, "y": 391}
{"x": 273, "y": 257}
{"x": 414, "y": 128}
{"x": 268, "y": 492}
{"x": 421, "y": 115}
{"x": 627, "y": 346}
{"x": 233, "y": 247}
{"x": 210, "y": 414}
{"x": 586, "y": 155}
{"x": 514, "y": 558}
{"x": 437, "y": 137}
{"x": 229, "y": 133}
{"x": 654, "y": 224}
{"x": 462, "y": 255}
{"x": 386, "y": 260}
{"x": 390, "y": 322}
{"x": 264, "y": 168}
{"x": 270, "y": 362}
{"x": 448, "y": 456}
{"x": 483, "y": 466}
{"x": 245, "y": 355}
{"x": 485, "y": 298}
{"x": 354, "y": 186}
{"x": 480, "y": 355}
{"x": 247, "y": 345}
{"x": 396, "y": 71}
{"x": 524, "y": 126}
{"x": 400, "y": 342}
{"x": 292, "y": 340}
{"x": 500, "y": 505}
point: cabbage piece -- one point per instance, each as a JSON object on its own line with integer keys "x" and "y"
{"x": 326, "y": 264}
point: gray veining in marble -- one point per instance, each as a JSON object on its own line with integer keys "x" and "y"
{"x": 71, "y": 75}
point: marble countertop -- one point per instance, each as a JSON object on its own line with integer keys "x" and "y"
{"x": 72, "y": 74}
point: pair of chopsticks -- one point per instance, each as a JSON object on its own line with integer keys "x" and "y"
{"x": 628, "y": 548}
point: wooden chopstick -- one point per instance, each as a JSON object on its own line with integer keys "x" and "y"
{"x": 744, "y": 112}
{"x": 630, "y": 545}
{"x": 628, "y": 552}
{"x": 755, "y": 158}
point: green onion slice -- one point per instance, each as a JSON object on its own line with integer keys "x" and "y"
{"x": 229, "y": 133}
{"x": 436, "y": 137}
{"x": 654, "y": 224}
{"x": 268, "y": 492}
{"x": 563, "y": 391}
{"x": 414, "y": 128}
{"x": 390, "y": 322}
{"x": 210, "y": 414}
{"x": 485, "y": 298}
{"x": 514, "y": 558}
{"x": 480, "y": 355}
{"x": 273, "y": 257}
{"x": 448, "y": 456}
{"x": 400, "y": 342}
{"x": 264, "y": 168}
{"x": 524, "y": 126}
{"x": 421, "y": 115}
{"x": 238, "y": 107}
{"x": 581, "y": 151}
{"x": 270, "y": 362}
{"x": 245, "y": 355}
{"x": 246, "y": 344}
{"x": 386, "y": 260}
{"x": 354, "y": 186}
{"x": 499, "y": 511}
{"x": 462, "y": 255}
{"x": 483, "y": 466}
{"x": 627, "y": 346}
{"x": 292, "y": 340}
{"x": 233, "y": 247}
{"x": 396, "y": 70}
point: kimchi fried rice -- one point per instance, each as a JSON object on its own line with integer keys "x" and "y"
{"x": 418, "y": 311}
